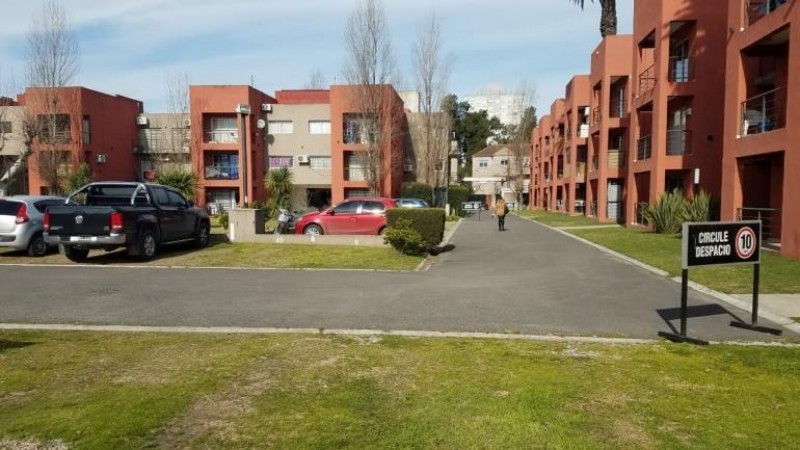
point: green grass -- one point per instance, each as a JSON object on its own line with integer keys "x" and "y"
{"x": 227, "y": 254}
{"x": 778, "y": 275}
{"x": 125, "y": 391}
{"x": 555, "y": 219}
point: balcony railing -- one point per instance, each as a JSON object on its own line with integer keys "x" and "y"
{"x": 764, "y": 112}
{"x": 593, "y": 208}
{"x": 647, "y": 80}
{"x": 640, "y": 218}
{"x": 221, "y": 172}
{"x": 644, "y": 148}
{"x": 679, "y": 69}
{"x": 616, "y": 108}
{"x": 767, "y": 216}
{"x": 59, "y": 137}
{"x": 596, "y": 115}
{"x": 163, "y": 141}
{"x": 221, "y": 136}
{"x": 355, "y": 173}
{"x": 580, "y": 169}
{"x": 616, "y": 158}
{"x": 756, "y": 9}
{"x": 679, "y": 142}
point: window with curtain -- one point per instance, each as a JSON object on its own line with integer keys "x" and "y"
{"x": 277, "y": 162}
{"x": 320, "y": 162}
{"x": 319, "y": 127}
{"x": 281, "y": 127}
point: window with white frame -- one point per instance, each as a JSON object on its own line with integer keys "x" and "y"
{"x": 504, "y": 162}
{"x": 319, "y": 127}
{"x": 320, "y": 162}
{"x": 281, "y": 127}
{"x": 277, "y": 162}
{"x": 483, "y": 162}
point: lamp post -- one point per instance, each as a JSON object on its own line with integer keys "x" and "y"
{"x": 244, "y": 110}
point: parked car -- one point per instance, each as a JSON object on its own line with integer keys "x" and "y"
{"x": 354, "y": 216}
{"x": 411, "y": 203}
{"x": 21, "y": 226}
{"x": 137, "y": 216}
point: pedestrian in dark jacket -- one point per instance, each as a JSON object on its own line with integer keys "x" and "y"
{"x": 501, "y": 209}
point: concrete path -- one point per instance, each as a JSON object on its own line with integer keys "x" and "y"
{"x": 529, "y": 279}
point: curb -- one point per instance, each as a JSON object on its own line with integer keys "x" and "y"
{"x": 785, "y": 322}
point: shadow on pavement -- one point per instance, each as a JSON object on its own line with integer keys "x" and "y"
{"x": 711, "y": 309}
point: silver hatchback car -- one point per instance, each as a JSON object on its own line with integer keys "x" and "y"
{"x": 21, "y": 222}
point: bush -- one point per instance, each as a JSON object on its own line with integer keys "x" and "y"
{"x": 181, "y": 180}
{"x": 404, "y": 239}
{"x": 224, "y": 220}
{"x": 699, "y": 208}
{"x": 417, "y": 190}
{"x": 77, "y": 178}
{"x": 457, "y": 195}
{"x": 428, "y": 222}
{"x": 667, "y": 216}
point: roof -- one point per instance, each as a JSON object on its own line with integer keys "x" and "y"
{"x": 492, "y": 150}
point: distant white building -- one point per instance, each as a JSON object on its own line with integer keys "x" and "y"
{"x": 506, "y": 106}
{"x": 410, "y": 100}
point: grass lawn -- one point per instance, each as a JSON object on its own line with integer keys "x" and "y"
{"x": 227, "y": 254}
{"x": 124, "y": 391}
{"x": 557, "y": 219}
{"x": 778, "y": 275}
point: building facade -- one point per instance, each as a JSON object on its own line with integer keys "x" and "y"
{"x": 502, "y": 170}
{"x": 164, "y": 143}
{"x": 13, "y": 166}
{"x": 506, "y": 106}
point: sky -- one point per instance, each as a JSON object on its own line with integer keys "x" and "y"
{"x": 131, "y": 47}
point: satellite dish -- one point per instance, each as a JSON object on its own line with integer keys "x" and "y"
{"x": 261, "y": 124}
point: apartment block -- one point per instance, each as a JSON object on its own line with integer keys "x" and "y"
{"x": 762, "y": 119}
{"x": 13, "y": 167}
{"x": 228, "y": 142}
{"x": 678, "y": 62}
{"x": 541, "y": 166}
{"x": 364, "y": 118}
{"x": 299, "y": 129}
{"x": 163, "y": 144}
{"x": 570, "y": 158}
{"x": 555, "y": 190}
{"x": 609, "y": 148}
{"x": 78, "y": 125}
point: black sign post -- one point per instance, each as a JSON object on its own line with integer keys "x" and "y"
{"x": 715, "y": 243}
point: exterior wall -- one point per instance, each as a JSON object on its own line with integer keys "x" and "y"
{"x": 576, "y": 135}
{"x": 556, "y": 135}
{"x": 112, "y": 134}
{"x": 494, "y": 157}
{"x": 343, "y": 102}
{"x": 12, "y": 146}
{"x": 163, "y": 144}
{"x": 610, "y": 66}
{"x": 221, "y": 101}
{"x": 702, "y": 91}
{"x": 505, "y": 106}
{"x": 758, "y": 169}
{"x": 422, "y": 163}
{"x": 542, "y": 144}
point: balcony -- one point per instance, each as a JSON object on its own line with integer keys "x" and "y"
{"x": 644, "y": 148}
{"x": 595, "y": 115}
{"x": 595, "y": 162}
{"x": 616, "y": 109}
{"x": 163, "y": 141}
{"x": 647, "y": 81}
{"x": 580, "y": 169}
{"x": 756, "y": 9}
{"x": 59, "y": 137}
{"x": 221, "y": 172}
{"x": 221, "y": 136}
{"x": 764, "y": 112}
{"x": 679, "y": 69}
{"x": 679, "y": 142}
{"x": 616, "y": 158}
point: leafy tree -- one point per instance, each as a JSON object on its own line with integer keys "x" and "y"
{"x": 181, "y": 180}
{"x": 77, "y": 178}
{"x": 608, "y": 15}
{"x": 278, "y": 183}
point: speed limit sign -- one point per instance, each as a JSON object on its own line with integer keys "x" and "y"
{"x": 746, "y": 242}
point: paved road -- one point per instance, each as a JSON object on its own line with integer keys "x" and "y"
{"x": 528, "y": 279}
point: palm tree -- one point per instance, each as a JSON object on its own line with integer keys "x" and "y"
{"x": 279, "y": 186}
{"x": 608, "y": 16}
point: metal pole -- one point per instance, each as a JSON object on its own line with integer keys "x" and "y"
{"x": 684, "y": 299}
{"x": 756, "y": 280}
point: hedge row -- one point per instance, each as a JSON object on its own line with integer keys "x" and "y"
{"x": 428, "y": 222}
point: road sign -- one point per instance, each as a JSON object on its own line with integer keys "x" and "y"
{"x": 711, "y": 243}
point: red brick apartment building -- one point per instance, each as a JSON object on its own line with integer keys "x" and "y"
{"x": 89, "y": 127}
{"x": 762, "y": 119}
{"x": 608, "y": 147}
{"x": 348, "y": 143}
{"x": 227, "y": 145}
{"x": 570, "y": 159}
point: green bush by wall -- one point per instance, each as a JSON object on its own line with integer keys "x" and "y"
{"x": 428, "y": 222}
{"x": 457, "y": 195}
{"x": 418, "y": 190}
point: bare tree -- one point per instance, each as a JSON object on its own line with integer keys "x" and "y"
{"x": 519, "y": 142}
{"x": 370, "y": 69}
{"x": 432, "y": 70}
{"x": 51, "y": 116}
{"x": 317, "y": 80}
{"x": 177, "y": 129}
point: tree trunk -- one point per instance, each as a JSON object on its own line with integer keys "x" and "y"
{"x": 608, "y": 18}
{"x": 11, "y": 173}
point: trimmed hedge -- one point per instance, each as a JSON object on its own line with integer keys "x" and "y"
{"x": 417, "y": 190}
{"x": 456, "y": 196}
{"x": 428, "y": 222}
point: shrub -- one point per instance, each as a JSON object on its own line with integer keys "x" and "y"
{"x": 428, "y": 222}
{"x": 668, "y": 214}
{"x": 181, "y": 180}
{"x": 224, "y": 220}
{"x": 77, "y": 178}
{"x": 457, "y": 195}
{"x": 699, "y": 208}
{"x": 404, "y": 239}
{"x": 418, "y": 190}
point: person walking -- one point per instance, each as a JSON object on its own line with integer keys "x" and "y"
{"x": 500, "y": 209}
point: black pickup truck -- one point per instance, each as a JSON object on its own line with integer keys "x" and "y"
{"x": 137, "y": 216}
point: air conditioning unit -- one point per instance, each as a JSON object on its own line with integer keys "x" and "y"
{"x": 101, "y": 159}
{"x": 303, "y": 159}
{"x": 266, "y": 107}
{"x": 142, "y": 120}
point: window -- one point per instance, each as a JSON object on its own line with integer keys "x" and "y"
{"x": 347, "y": 208}
{"x": 281, "y": 127}
{"x": 319, "y": 127}
{"x": 175, "y": 199}
{"x": 483, "y": 162}
{"x": 373, "y": 208}
{"x": 53, "y": 128}
{"x": 504, "y": 162}
{"x": 224, "y": 130}
{"x": 161, "y": 196}
{"x": 223, "y": 167}
{"x": 5, "y": 127}
{"x": 276, "y": 162}
{"x": 87, "y": 130}
{"x": 320, "y": 162}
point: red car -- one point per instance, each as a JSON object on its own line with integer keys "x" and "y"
{"x": 353, "y": 216}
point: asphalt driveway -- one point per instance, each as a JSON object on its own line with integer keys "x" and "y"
{"x": 528, "y": 279}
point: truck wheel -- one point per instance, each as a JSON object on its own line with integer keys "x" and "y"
{"x": 201, "y": 238}
{"x": 76, "y": 254}
{"x": 37, "y": 246}
{"x": 147, "y": 245}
